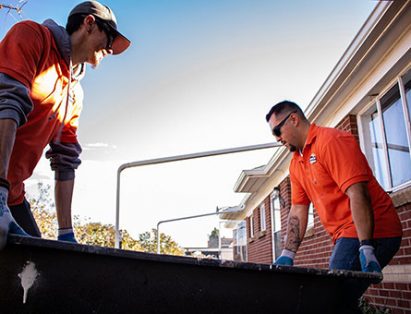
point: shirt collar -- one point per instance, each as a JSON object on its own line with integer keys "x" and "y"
{"x": 312, "y": 134}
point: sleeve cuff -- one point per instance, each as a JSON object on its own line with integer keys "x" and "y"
{"x": 363, "y": 178}
{"x": 64, "y": 175}
{"x": 10, "y": 114}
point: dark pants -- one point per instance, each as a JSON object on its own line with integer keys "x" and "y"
{"x": 24, "y": 217}
{"x": 346, "y": 256}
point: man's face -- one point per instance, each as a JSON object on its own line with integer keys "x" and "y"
{"x": 283, "y": 130}
{"x": 99, "y": 43}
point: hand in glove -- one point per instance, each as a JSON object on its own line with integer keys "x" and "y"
{"x": 7, "y": 222}
{"x": 369, "y": 262}
{"x": 286, "y": 258}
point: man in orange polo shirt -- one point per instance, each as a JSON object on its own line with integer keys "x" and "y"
{"x": 329, "y": 170}
{"x": 40, "y": 102}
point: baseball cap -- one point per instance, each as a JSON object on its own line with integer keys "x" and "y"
{"x": 105, "y": 14}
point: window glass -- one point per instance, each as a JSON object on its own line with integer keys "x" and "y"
{"x": 262, "y": 218}
{"x": 396, "y": 137}
{"x": 310, "y": 216}
{"x": 277, "y": 244}
{"x": 277, "y": 213}
{"x": 240, "y": 242}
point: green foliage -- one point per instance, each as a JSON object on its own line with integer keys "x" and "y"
{"x": 96, "y": 233}
{"x": 367, "y": 308}
{"x": 214, "y": 234}
{"x": 148, "y": 241}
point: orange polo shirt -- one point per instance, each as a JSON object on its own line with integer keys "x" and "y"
{"x": 331, "y": 162}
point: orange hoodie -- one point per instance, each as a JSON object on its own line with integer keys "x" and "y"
{"x": 38, "y": 57}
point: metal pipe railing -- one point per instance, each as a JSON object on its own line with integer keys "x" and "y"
{"x": 173, "y": 159}
{"x": 178, "y": 219}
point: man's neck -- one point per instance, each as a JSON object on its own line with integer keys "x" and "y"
{"x": 305, "y": 128}
{"x": 76, "y": 45}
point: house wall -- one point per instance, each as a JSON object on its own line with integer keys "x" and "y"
{"x": 260, "y": 246}
{"x": 315, "y": 251}
{"x": 395, "y": 290}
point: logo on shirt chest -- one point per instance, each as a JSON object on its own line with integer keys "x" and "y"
{"x": 313, "y": 159}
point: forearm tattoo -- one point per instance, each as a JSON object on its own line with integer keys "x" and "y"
{"x": 293, "y": 240}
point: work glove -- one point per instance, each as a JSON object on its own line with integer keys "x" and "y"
{"x": 286, "y": 258}
{"x": 66, "y": 235}
{"x": 7, "y": 222}
{"x": 368, "y": 260}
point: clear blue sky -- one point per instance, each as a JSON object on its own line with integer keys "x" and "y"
{"x": 199, "y": 75}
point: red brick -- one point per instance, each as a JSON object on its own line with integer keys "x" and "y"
{"x": 388, "y": 285}
{"x": 404, "y": 304}
{"x": 390, "y": 302}
{"x": 406, "y": 295}
{"x": 403, "y": 286}
{"x": 394, "y": 294}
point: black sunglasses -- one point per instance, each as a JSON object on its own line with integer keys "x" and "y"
{"x": 107, "y": 30}
{"x": 277, "y": 128}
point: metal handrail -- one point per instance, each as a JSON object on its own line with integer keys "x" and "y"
{"x": 177, "y": 158}
{"x": 178, "y": 219}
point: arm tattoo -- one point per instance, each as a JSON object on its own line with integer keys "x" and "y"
{"x": 293, "y": 240}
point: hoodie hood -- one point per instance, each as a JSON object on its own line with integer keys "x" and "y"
{"x": 63, "y": 43}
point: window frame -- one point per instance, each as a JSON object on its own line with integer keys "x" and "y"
{"x": 363, "y": 118}
{"x": 275, "y": 197}
{"x": 263, "y": 223}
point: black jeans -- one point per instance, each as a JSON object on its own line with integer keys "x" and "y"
{"x": 24, "y": 217}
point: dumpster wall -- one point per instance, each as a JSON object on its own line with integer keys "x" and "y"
{"x": 43, "y": 276}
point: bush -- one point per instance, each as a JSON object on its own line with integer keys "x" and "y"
{"x": 368, "y": 308}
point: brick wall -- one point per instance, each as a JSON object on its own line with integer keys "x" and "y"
{"x": 349, "y": 124}
{"x": 259, "y": 248}
{"x": 395, "y": 290}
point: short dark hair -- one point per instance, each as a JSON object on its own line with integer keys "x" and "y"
{"x": 74, "y": 22}
{"x": 285, "y": 106}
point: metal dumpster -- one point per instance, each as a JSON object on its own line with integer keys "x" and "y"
{"x": 43, "y": 276}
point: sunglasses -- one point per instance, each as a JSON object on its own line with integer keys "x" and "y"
{"x": 277, "y": 128}
{"x": 107, "y": 30}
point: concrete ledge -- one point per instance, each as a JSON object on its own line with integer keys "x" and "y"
{"x": 397, "y": 273}
{"x": 401, "y": 197}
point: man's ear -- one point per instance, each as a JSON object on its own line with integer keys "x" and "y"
{"x": 88, "y": 22}
{"x": 295, "y": 119}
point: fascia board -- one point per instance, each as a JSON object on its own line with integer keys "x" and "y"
{"x": 350, "y": 55}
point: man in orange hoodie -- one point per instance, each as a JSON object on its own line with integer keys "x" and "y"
{"x": 40, "y": 102}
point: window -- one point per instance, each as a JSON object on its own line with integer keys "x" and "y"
{"x": 310, "y": 222}
{"x": 386, "y": 131}
{"x": 240, "y": 242}
{"x": 262, "y": 218}
{"x": 252, "y": 226}
{"x": 276, "y": 223}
